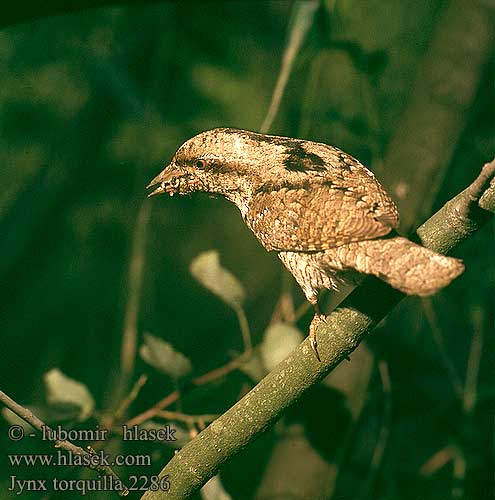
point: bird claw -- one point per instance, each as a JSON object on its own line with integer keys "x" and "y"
{"x": 314, "y": 346}
{"x": 318, "y": 318}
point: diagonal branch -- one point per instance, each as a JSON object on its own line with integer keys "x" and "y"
{"x": 201, "y": 458}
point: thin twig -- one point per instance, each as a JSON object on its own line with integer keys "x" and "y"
{"x": 479, "y": 189}
{"x": 387, "y": 414}
{"x": 216, "y": 373}
{"x": 154, "y": 410}
{"x": 135, "y": 281}
{"x": 431, "y": 317}
{"x": 381, "y": 442}
{"x": 245, "y": 330}
{"x": 461, "y": 216}
{"x": 130, "y": 398}
{"x": 473, "y": 364}
{"x": 459, "y": 474}
{"x": 303, "y": 19}
{"x": 174, "y": 396}
{"x": 441, "y": 458}
{"x": 29, "y": 417}
{"x": 437, "y": 461}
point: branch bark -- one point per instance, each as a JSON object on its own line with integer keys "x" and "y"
{"x": 201, "y": 458}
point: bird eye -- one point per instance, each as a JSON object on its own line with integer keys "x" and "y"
{"x": 200, "y": 163}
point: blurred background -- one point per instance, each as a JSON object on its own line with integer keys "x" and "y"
{"x": 95, "y": 102}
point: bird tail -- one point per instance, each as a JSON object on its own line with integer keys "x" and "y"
{"x": 411, "y": 268}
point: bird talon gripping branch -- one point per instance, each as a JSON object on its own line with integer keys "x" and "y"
{"x": 314, "y": 345}
{"x": 321, "y": 210}
{"x": 315, "y": 322}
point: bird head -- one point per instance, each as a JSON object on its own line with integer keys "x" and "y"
{"x": 219, "y": 161}
{"x": 234, "y": 163}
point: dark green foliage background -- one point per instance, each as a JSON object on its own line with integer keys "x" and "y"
{"x": 93, "y": 104}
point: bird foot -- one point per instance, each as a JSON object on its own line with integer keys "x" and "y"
{"x": 315, "y": 322}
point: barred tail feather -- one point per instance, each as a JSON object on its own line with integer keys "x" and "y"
{"x": 411, "y": 268}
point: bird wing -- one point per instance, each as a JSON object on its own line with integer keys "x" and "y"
{"x": 323, "y": 215}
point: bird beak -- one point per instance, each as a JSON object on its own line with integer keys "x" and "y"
{"x": 167, "y": 181}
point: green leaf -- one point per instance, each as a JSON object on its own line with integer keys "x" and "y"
{"x": 279, "y": 341}
{"x": 214, "y": 490}
{"x": 161, "y": 355}
{"x": 62, "y": 390}
{"x": 207, "y": 270}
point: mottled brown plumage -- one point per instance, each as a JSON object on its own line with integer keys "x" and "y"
{"x": 323, "y": 212}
